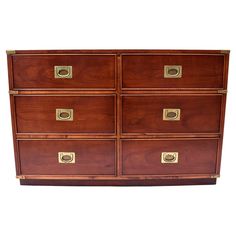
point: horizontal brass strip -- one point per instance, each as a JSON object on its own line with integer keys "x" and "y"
{"x": 10, "y": 52}
{"x": 124, "y": 177}
{"x": 37, "y": 136}
{"x": 137, "y": 92}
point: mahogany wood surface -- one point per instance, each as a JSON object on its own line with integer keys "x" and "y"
{"x": 143, "y": 157}
{"x": 144, "y": 114}
{"x": 118, "y": 133}
{"x": 88, "y": 71}
{"x": 92, "y": 157}
{"x": 91, "y": 114}
{"x": 203, "y": 71}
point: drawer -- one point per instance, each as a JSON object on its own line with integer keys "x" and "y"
{"x": 195, "y": 71}
{"x": 67, "y": 157}
{"x": 64, "y": 71}
{"x": 65, "y": 114}
{"x": 171, "y": 114}
{"x": 169, "y": 157}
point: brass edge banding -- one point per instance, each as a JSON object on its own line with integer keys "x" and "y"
{"x": 214, "y": 176}
{"x": 223, "y": 91}
{"x": 20, "y": 177}
{"x": 79, "y": 177}
{"x": 10, "y": 52}
{"x": 225, "y": 51}
{"x": 13, "y": 92}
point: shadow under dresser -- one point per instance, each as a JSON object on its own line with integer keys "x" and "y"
{"x": 118, "y": 117}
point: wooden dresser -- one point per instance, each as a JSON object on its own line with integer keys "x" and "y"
{"x": 118, "y": 117}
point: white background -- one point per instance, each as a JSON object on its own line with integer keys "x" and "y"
{"x": 183, "y": 210}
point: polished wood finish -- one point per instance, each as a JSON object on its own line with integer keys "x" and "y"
{"x": 144, "y": 114}
{"x": 91, "y": 114}
{"x": 118, "y": 97}
{"x": 89, "y": 71}
{"x": 92, "y": 157}
{"x": 143, "y": 157}
{"x": 202, "y": 71}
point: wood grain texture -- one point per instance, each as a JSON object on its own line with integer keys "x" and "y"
{"x": 96, "y": 157}
{"x": 121, "y": 94}
{"x": 143, "y": 157}
{"x": 89, "y": 71}
{"x": 92, "y": 114}
{"x": 144, "y": 114}
{"x": 148, "y": 71}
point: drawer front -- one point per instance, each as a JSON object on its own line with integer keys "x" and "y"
{"x": 191, "y": 71}
{"x": 156, "y": 114}
{"x": 67, "y": 157}
{"x": 64, "y": 114}
{"x": 166, "y": 157}
{"x": 72, "y": 71}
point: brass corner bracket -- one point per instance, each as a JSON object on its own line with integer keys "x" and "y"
{"x": 223, "y": 91}
{"x": 12, "y": 92}
{"x": 225, "y": 51}
{"x": 10, "y": 52}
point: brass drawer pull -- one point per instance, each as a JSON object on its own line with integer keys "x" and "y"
{"x": 66, "y": 157}
{"x": 169, "y": 157}
{"x": 171, "y": 114}
{"x": 172, "y": 71}
{"x": 64, "y": 114}
{"x": 61, "y": 72}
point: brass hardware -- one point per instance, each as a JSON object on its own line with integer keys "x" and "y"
{"x": 171, "y": 114}
{"x": 225, "y": 51}
{"x": 172, "y": 71}
{"x": 12, "y": 92}
{"x": 66, "y": 157}
{"x": 223, "y": 91}
{"x": 10, "y": 52}
{"x": 169, "y": 157}
{"x": 64, "y": 114}
{"x": 214, "y": 176}
{"x": 63, "y": 72}
{"x": 20, "y": 177}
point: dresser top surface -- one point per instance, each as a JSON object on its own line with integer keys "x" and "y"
{"x": 115, "y": 51}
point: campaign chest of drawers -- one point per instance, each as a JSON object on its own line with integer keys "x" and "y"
{"x": 118, "y": 117}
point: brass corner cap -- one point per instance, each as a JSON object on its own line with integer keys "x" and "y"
{"x": 9, "y": 52}
{"x": 13, "y": 92}
{"x": 225, "y": 51}
{"x": 20, "y": 177}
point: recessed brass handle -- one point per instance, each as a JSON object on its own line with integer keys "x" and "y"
{"x": 172, "y": 71}
{"x": 66, "y": 157}
{"x": 169, "y": 157}
{"x": 64, "y": 114}
{"x": 61, "y": 72}
{"x": 172, "y": 114}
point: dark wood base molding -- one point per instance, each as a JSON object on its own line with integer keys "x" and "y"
{"x": 147, "y": 182}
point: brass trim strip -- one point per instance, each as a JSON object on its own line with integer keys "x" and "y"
{"x": 225, "y": 51}
{"x": 223, "y": 91}
{"x": 10, "y": 52}
{"x": 12, "y": 92}
{"x": 112, "y": 177}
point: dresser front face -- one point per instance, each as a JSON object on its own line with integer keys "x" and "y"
{"x": 118, "y": 116}
{"x": 87, "y": 71}
{"x": 86, "y": 114}
{"x": 67, "y": 157}
{"x": 198, "y": 71}
{"x": 197, "y": 114}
